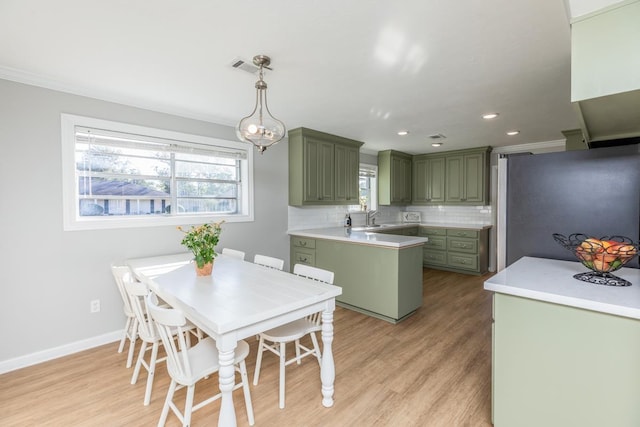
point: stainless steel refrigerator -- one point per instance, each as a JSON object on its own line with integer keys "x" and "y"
{"x": 595, "y": 192}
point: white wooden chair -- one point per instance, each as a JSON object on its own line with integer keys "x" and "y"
{"x": 268, "y": 261}
{"x": 147, "y": 332}
{"x": 187, "y": 366}
{"x": 276, "y": 339}
{"x": 122, "y": 274}
{"x": 234, "y": 253}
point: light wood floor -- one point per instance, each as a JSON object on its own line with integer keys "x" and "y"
{"x": 433, "y": 369}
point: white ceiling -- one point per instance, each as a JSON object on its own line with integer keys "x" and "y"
{"x": 362, "y": 69}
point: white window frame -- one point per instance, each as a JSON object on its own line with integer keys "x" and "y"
{"x": 373, "y": 203}
{"x": 71, "y": 217}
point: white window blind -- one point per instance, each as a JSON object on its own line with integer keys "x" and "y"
{"x": 122, "y": 173}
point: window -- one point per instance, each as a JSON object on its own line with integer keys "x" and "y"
{"x": 120, "y": 175}
{"x": 368, "y": 186}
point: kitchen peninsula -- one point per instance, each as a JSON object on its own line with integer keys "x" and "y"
{"x": 380, "y": 274}
{"x": 565, "y": 352}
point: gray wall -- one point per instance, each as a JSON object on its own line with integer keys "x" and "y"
{"x": 49, "y": 275}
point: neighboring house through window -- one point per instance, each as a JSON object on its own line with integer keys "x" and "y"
{"x": 121, "y": 175}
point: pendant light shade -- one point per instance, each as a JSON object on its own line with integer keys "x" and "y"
{"x": 260, "y": 128}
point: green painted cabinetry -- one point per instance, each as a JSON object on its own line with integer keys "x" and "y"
{"x": 455, "y": 177}
{"x": 605, "y": 71}
{"x": 466, "y": 178}
{"x": 383, "y": 282}
{"x": 347, "y": 162}
{"x": 456, "y": 249}
{"x": 303, "y": 251}
{"x": 394, "y": 178}
{"x": 323, "y": 168}
{"x": 558, "y": 366}
{"x": 428, "y": 179}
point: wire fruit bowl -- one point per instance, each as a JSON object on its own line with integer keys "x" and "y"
{"x": 601, "y": 256}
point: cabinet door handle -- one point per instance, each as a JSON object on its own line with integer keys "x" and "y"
{"x": 302, "y": 259}
{"x": 302, "y": 243}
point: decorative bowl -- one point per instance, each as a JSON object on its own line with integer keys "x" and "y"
{"x": 601, "y": 256}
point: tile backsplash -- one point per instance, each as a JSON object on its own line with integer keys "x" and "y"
{"x": 333, "y": 216}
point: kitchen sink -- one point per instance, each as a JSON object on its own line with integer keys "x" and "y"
{"x": 368, "y": 227}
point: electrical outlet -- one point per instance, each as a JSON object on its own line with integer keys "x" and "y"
{"x": 95, "y": 306}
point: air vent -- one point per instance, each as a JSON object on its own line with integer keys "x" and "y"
{"x": 437, "y": 136}
{"x": 243, "y": 65}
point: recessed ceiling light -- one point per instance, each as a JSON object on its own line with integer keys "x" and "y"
{"x": 403, "y": 132}
{"x": 513, "y": 132}
{"x": 489, "y": 116}
{"x": 436, "y": 144}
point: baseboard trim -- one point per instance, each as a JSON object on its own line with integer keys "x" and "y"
{"x": 56, "y": 352}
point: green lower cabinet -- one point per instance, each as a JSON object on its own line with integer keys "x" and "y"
{"x": 456, "y": 249}
{"x": 303, "y": 251}
{"x": 437, "y": 258}
{"x": 558, "y": 366}
{"x": 382, "y": 282}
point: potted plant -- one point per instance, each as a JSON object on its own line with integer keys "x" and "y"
{"x": 202, "y": 240}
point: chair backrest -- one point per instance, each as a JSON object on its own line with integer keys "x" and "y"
{"x": 167, "y": 321}
{"x": 268, "y": 261}
{"x": 314, "y": 273}
{"x": 122, "y": 274}
{"x": 234, "y": 253}
{"x": 318, "y": 274}
{"x": 137, "y": 292}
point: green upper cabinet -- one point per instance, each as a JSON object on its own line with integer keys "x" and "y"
{"x": 323, "y": 168}
{"x": 466, "y": 177}
{"x": 428, "y": 179}
{"x": 605, "y": 71}
{"x": 394, "y": 178}
{"x": 347, "y": 162}
{"x": 455, "y": 177}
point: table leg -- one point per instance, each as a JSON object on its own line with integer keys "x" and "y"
{"x": 328, "y": 369}
{"x": 226, "y": 375}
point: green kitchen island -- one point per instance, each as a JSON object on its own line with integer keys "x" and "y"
{"x": 565, "y": 352}
{"x": 380, "y": 274}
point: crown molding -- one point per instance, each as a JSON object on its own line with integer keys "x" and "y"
{"x": 541, "y": 147}
{"x": 33, "y": 79}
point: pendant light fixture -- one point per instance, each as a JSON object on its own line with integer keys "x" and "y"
{"x": 260, "y": 128}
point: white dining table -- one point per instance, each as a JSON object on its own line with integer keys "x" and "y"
{"x": 239, "y": 300}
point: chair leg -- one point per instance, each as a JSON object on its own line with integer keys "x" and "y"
{"x": 188, "y": 406}
{"x": 125, "y": 334}
{"x": 297, "y": 343}
{"x": 256, "y": 373}
{"x": 283, "y": 354}
{"x": 167, "y": 401}
{"x": 133, "y": 337}
{"x": 247, "y": 393}
{"x": 152, "y": 369}
{"x": 136, "y": 370}
{"x": 316, "y": 347}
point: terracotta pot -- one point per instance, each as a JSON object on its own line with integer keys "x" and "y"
{"x": 205, "y": 270}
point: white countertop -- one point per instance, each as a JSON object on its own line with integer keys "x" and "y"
{"x": 467, "y": 225}
{"x": 552, "y": 281}
{"x": 372, "y": 238}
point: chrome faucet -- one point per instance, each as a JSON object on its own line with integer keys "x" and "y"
{"x": 370, "y": 217}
